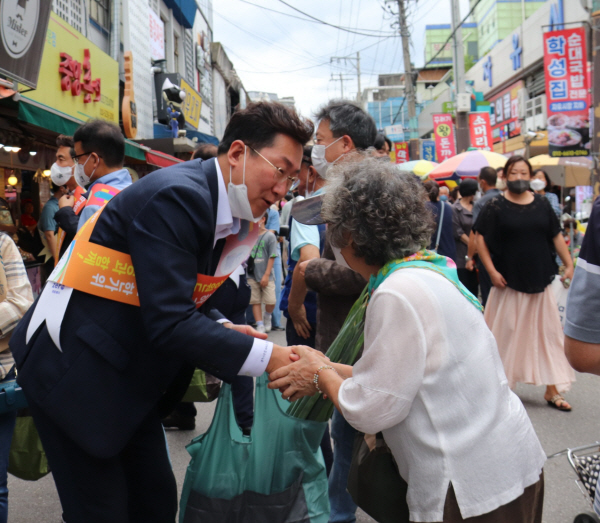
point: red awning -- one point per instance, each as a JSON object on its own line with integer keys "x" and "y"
{"x": 161, "y": 159}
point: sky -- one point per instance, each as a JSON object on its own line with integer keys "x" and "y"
{"x": 292, "y": 56}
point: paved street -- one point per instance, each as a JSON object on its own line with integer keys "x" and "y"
{"x": 38, "y": 501}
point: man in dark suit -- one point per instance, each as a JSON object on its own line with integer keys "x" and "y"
{"x": 99, "y": 372}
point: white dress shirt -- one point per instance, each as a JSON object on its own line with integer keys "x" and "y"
{"x": 260, "y": 354}
{"x": 432, "y": 380}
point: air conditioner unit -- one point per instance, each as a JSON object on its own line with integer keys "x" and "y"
{"x": 463, "y": 102}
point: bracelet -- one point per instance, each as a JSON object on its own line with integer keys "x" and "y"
{"x": 316, "y": 376}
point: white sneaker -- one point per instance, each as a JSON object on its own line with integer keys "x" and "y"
{"x": 261, "y": 329}
{"x": 267, "y": 322}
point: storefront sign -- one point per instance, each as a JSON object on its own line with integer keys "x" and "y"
{"x": 443, "y": 128}
{"x": 157, "y": 37}
{"x": 428, "y": 150}
{"x": 192, "y": 105}
{"x": 23, "y": 33}
{"x": 401, "y": 150}
{"x": 480, "y": 130}
{"x": 504, "y": 117}
{"x": 128, "y": 107}
{"x": 79, "y": 79}
{"x": 565, "y": 62}
{"x": 395, "y": 133}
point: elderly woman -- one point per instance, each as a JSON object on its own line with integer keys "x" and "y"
{"x": 430, "y": 377}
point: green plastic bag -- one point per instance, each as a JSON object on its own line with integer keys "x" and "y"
{"x": 276, "y": 475}
{"x": 27, "y": 459}
{"x": 203, "y": 388}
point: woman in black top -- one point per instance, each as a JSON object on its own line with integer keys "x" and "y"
{"x": 518, "y": 238}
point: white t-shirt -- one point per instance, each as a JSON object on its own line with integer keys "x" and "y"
{"x": 432, "y": 380}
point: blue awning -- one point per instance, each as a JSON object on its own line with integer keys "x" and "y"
{"x": 184, "y": 11}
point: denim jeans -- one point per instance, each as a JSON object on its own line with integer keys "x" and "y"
{"x": 343, "y": 509}
{"x": 277, "y": 271}
{"x": 7, "y": 426}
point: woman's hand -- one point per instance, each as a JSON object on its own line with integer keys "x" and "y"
{"x": 301, "y": 324}
{"x": 297, "y": 379}
{"x": 567, "y": 277}
{"x": 498, "y": 280}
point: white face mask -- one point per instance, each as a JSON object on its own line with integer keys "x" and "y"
{"x": 501, "y": 184}
{"x": 477, "y": 195}
{"x": 82, "y": 179}
{"x": 537, "y": 185}
{"x": 318, "y": 158}
{"x": 307, "y": 193}
{"x": 60, "y": 175}
{"x": 339, "y": 258}
{"x": 238, "y": 197}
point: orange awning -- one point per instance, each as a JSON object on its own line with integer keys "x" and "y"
{"x": 161, "y": 159}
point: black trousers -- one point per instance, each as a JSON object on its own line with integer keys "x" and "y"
{"x": 136, "y": 486}
{"x": 485, "y": 282}
{"x": 469, "y": 280}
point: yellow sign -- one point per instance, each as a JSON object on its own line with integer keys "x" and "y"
{"x": 76, "y": 77}
{"x": 191, "y": 105}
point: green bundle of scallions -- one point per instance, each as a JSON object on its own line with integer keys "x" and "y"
{"x": 344, "y": 349}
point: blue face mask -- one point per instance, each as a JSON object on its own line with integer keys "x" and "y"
{"x": 443, "y": 198}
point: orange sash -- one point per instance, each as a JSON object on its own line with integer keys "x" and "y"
{"x": 107, "y": 273}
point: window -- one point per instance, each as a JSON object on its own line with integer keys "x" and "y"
{"x": 100, "y": 12}
{"x": 176, "y": 51}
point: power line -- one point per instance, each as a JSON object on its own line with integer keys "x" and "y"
{"x": 332, "y": 25}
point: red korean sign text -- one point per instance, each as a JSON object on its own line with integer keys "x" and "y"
{"x": 401, "y": 149}
{"x": 565, "y": 63}
{"x": 480, "y": 131}
{"x": 443, "y": 128}
{"x": 71, "y": 71}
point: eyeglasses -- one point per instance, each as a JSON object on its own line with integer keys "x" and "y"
{"x": 77, "y": 156}
{"x": 279, "y": 174}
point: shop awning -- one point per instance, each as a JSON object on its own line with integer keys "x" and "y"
{"x": 184, "y": 11}
{"x": 161, "y": 159}
{"x": 41, "y": 116}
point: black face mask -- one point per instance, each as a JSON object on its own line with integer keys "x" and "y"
{"x": 518, "y": 186}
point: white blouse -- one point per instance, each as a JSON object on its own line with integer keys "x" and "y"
{"x": 431, "y": 379}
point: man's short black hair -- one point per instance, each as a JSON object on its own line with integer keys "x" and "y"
{"x": 64, "y": 141}
{"x": 54, "y": 188}
{"x": 347, "y": 118}
{"x": 259, "y": 124}
{"x": 488, "y": 175}
{"x": 468, "y": 187}
{"x": 205, "y": 151}
{"x": 103, "y": 138}
{"x": 380, "y": 139}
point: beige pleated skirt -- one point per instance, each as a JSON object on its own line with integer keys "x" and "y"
{"x": 530, "y": 337}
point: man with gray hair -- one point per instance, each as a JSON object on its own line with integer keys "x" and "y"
{"x": 343, "y": 128}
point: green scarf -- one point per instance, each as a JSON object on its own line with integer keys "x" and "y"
{"x": 425, "y": 260}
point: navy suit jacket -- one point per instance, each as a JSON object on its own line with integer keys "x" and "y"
{"x": 118, "y": 360}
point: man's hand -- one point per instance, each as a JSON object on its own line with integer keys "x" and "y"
{"x": 264, "y": 281}
{"x": 281, "y": 357}
{"x": 66, "y": 201}
{"x": 298, "y": 317}
{"x": 245, "y": 329}
{"x": 302, "y": 267}
{"x": 498, "y": 280}
{"x": 470, "y": 265}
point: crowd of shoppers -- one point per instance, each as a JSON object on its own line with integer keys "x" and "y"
{"x": 101, "y": 400}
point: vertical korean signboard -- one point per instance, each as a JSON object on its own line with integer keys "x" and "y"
{"x": 428, "y": 150}
{"x": 480, "y": 130}
{"x": 565, "y": 62}
{"x": 443, "y": 128}
{"x": 401, "y": 150}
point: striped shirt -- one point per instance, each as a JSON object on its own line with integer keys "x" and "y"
{"x": 18, "y": 297}
{"x": 583, "y": 302}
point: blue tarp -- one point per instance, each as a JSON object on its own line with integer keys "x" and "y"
{"x": 162, "y": 131}
{"x": 184, "y": 11}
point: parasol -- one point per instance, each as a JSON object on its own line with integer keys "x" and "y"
{"x": 419, "y": 167}
{"x": 466, "y": 165}
{"x": 566, "y": 172}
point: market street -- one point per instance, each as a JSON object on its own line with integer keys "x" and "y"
{"x": 38, "y": 501}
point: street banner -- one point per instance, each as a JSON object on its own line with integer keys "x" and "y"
{"x": 565, "y": 63}
{"x": 157, "y": 36}
{"x": 480, "y": 131}
{"x": 443, "y": 128}
{"x": 23, "y": 34}
{"x": 428, "y": 150}
{"x": 401, "y": 150}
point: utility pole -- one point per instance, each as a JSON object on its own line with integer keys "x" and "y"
{"x": 408, "y": 81}
{"x": 355, "y": 61}
{"x": 341, "y": 79}
{"x": 463, "y": 139}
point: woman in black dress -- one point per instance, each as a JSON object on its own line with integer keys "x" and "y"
{"x": 518, "y": 238}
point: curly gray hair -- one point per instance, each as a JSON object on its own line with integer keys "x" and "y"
{"x": 381, "y": 209}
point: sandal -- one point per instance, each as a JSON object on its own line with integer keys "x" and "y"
{"x": 557, "y": 402}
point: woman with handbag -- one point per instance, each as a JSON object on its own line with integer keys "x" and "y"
{"x": 15, "y": 299}
{"x": 430, "y": 377}
{"x": 518, "y": 238}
